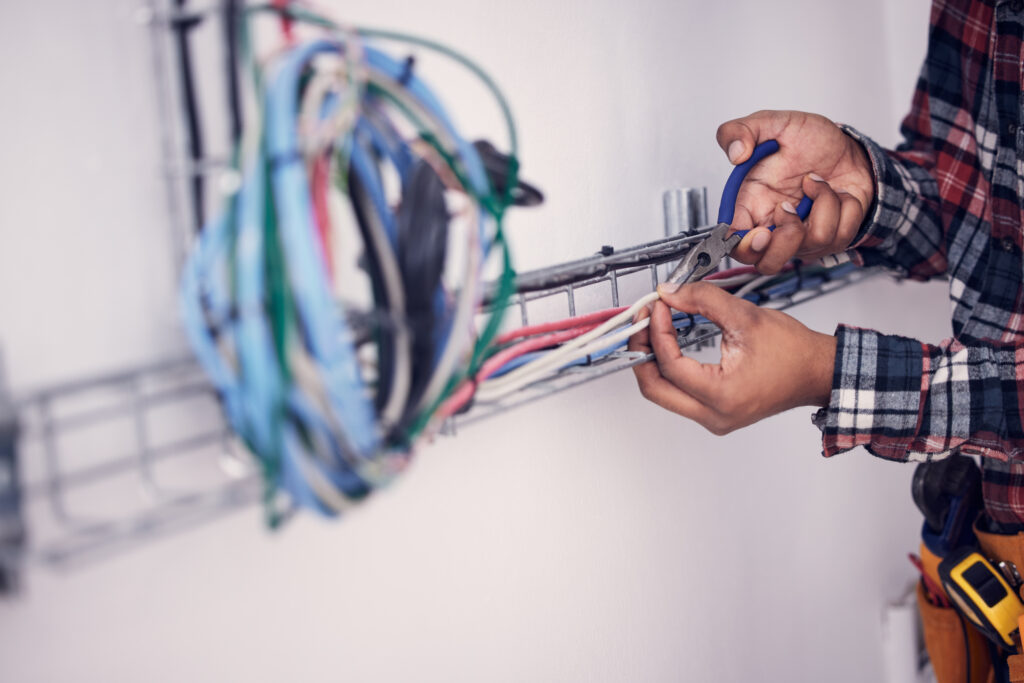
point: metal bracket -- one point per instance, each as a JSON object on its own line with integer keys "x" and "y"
{"x": 12, "y": 522}
{"x": 685, "y": 208}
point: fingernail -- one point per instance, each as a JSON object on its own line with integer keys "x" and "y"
{"x": 816, "y": 178}
{"x": 735, "y": 151}
{"x": 667, "y": 288}
{"x": 760, "y": 240}
{"x": 789, "y": 208}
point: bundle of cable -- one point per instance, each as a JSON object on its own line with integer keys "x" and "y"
{"x": 529, "y": 355}
{"x": 334, "y": 299}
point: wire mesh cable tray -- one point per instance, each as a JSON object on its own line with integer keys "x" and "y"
{"x": 111, "y": 461}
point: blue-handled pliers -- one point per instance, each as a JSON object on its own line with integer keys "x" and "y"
{"x": 704, "y": 256}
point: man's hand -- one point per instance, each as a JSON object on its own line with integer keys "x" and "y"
{"x": 815, "y": 158}
{"x": 770, "y": 361}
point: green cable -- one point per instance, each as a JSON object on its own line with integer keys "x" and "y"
{"x": 278, "y": 302}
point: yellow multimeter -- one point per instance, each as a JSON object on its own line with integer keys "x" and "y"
{"x": 982, "y": 595}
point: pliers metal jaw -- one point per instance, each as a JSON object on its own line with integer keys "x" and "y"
{"x": 705, "y": 256}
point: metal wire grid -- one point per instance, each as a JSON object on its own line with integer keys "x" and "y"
{"x": 112, "y": 461}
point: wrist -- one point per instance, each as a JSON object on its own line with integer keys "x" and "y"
{"x": 862, "y": 162}
{"x": 861, "y": 155}
{"x": 822, "y": 368}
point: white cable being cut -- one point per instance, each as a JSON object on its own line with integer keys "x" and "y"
{"x": 581, "y": 347}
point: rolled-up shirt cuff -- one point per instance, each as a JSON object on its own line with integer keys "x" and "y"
{"x": 876, "y": 397}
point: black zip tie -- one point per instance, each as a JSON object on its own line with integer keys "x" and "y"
{"x": 183, "y": 21}
{"x": 406, "y": 74}
{"x": 690, "y": 327}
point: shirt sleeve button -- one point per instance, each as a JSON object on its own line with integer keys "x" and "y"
{"x": 1011, "y": 128}
{"x": 1007, "y": 244}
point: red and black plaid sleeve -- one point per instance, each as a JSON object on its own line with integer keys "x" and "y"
{"x": 948, "y": 201}
{"x": 904, "y": 400}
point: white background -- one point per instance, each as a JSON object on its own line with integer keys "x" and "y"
{"x": 590, "y": 537}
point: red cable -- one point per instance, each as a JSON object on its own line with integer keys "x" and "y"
{"x": 319, "y": 181}
{"x": 286, "y": 21}
{"x": 568, "y": 323}
{"x": 465, "y": 392}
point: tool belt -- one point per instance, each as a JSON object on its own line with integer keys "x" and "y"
{"x": 958, "y": 651}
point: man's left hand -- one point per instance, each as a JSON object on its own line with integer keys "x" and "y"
{"x": 770, "y": 361}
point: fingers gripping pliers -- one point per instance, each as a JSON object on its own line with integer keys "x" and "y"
{"x": 705, "y": 256}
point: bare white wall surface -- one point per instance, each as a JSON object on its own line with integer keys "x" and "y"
{"x": 590, "y": 537}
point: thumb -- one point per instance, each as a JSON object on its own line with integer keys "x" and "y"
{"x": 738, "y": 137}
{"x": 714, "y": 303}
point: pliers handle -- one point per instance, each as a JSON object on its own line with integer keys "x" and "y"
{"x": 704, "y": 256}
{"x": 727, "y": 207}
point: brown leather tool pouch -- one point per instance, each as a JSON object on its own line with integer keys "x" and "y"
{"x": 944, "y": 634}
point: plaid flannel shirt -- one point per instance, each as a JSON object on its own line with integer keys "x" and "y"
{"x": 949, "y": 200}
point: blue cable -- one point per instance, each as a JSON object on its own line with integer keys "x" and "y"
{"x": 261, "y": 380}
{"x": 425, "y": 97}
{"x": 325, "y": 331}
{"x": 198, "y": 287}
{"x": 369, "y": 175}
{"x": 338, "y": 471}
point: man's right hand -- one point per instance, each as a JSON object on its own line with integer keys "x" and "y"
{"x": 816, "y": 159}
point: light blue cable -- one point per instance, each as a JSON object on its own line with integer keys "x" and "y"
{"x": 341, "y": 473}
{"x": 425, "y": 97}
{"x": 261, "y": 380}
{"x": 326, "y": 333}
{"x": 198, "y": 285}
{"x": 363, "y": 167}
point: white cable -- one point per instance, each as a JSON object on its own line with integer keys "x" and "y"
{"x": 318, "y": 135}
{"x": 594, "y": 341}
{"x": 490, "y": 394}
{"x": 394, "y": 288}
{"x": 555, "y": 359}
{"x": 740, "y": 279}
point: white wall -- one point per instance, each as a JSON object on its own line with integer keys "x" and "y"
{"x": 591, "y": 537}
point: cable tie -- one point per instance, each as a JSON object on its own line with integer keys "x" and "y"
{"x": 406, "y": 74}
{"x": 185, "y": 22}
{"x": 691, "y": 324}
